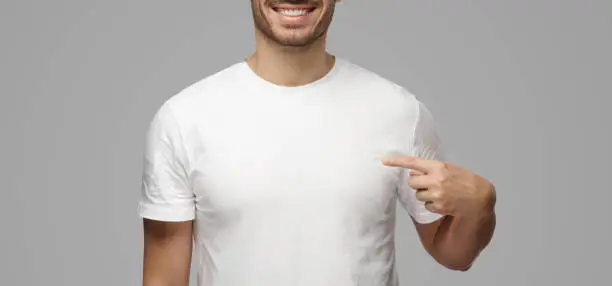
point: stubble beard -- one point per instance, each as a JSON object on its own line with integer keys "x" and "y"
{"x": 265, "y": 28}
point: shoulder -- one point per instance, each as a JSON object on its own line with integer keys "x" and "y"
{"x": 187, "y": 103}
{"x": 383, "y": 91}
{"x": 203, "y": 89}
{"x": 392, "y": 100}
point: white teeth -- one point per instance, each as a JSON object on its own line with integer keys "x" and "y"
{"x": 293, "y": 12}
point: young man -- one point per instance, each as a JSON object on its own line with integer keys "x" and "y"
{"x": 285, "y": 169}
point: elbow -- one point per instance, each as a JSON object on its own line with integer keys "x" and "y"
{"x": 461, "y": 267}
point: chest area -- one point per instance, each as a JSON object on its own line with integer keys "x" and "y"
{"x": 298, "y": 156}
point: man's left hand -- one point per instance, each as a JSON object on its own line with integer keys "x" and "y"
{"x": 446, "y": 188}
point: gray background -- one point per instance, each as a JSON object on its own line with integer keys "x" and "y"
{"x": 521, "y": 91}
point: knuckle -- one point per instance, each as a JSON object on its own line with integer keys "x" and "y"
{"x": 437, "y": 195}
{"x": 444, "y": 183}
{"x": 442, "y": 166}
{"x": 440, "y": 183}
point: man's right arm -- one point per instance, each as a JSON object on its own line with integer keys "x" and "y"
{"x": 167, "y": 253}
{"x": 166, "y": 204}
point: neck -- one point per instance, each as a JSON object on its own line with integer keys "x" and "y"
{"x": 290, "y": 66}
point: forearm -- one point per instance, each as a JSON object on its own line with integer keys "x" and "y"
{"x": 163, "y": 278}
{"x": 459, "y": 241}
{"x": 160, "y": 271}
{"x": 167, "y": 253}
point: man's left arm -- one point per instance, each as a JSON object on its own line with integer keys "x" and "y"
{"x": 452, "y": 208}
{"x": 455, "y": 241}
{"x": 466, "y": 203}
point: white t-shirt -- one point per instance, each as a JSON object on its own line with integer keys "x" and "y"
{"x": 286, "y": 184}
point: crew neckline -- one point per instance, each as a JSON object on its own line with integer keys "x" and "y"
{"x": 338, "y": 61}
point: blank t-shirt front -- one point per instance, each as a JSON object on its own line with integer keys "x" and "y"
{"x": 286, "y": 184}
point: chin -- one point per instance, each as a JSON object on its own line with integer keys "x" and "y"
{"x": 294, "y": 38}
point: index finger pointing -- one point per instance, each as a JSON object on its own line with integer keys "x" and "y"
{"x": 411, "y": 162}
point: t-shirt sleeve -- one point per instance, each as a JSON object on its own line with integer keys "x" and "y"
{"x": 425, "y": 143}
{"x": 165, "y": 193}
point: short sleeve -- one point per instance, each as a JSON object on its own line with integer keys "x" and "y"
{"x": 165, "y": 194}
{"x": 425, "y": 143}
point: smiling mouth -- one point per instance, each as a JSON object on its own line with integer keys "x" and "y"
{"x": 293, "y": 12}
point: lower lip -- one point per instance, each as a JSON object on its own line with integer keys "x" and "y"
{"x": 293, "y": 19}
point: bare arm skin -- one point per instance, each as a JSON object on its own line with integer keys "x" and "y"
{"x": 167, "y": 253}
{"x": 467, "y": 202}
{"x": 456, "y": 242}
